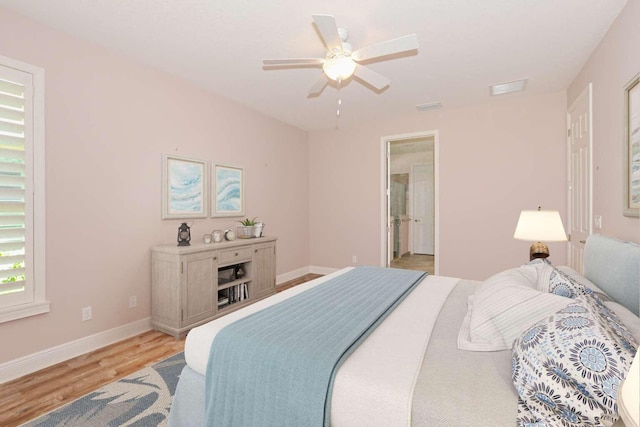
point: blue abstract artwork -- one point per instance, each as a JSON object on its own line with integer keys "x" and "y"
{"x": 228, "y": 191}
{"x": 185, "y": 188}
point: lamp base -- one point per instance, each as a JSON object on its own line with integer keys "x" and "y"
{"x": 538, "y": 250}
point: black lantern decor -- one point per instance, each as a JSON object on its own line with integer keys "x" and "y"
{"x": 184, "y": 235}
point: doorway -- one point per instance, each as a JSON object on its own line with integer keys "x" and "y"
{"x": 410, "y": 214}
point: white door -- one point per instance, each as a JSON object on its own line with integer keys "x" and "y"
{"x": 579, "y": 175}
{"x": 423, "y": 212}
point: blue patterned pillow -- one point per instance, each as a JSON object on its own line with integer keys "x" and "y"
{"x": 567, "y": 368}
{"x": 559, "y": 283}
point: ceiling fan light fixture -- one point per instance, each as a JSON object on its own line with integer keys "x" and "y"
{"x": 339, "y": 67}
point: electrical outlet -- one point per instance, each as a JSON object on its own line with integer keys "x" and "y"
{"x": 597, "y": 221}
{"x": 354, "y": 259}
{"x": 133, "y": 301}
{"x": 86, "y": 314}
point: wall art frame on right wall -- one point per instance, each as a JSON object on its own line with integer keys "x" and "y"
{"x": 632, "y": 147}
{"x": 228, "y": 191}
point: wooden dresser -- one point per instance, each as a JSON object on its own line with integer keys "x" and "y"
{"x": 191, "y": 285}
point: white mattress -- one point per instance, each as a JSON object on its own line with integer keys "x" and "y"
{"x": 374, "y": 387}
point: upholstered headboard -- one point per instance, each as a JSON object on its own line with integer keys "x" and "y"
{"x": 614, "y": 266}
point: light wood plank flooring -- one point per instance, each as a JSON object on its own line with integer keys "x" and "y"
{"x": 36, "y": 394}
{"x": 415, "y": 262}
{"x": 291, "y": 283}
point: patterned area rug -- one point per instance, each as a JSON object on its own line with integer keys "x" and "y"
{"x": 142, "y": 399}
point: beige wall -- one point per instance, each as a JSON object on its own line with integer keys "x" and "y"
{"x": 494, "y": 160}
{"x": 614, "y": 62}
{"x": 108, "y": 121}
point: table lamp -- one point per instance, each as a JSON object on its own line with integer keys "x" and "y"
{"x": 629, "y": 395}
{"x": 539, "y": 225}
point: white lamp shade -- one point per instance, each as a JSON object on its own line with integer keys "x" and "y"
{"x": 537, "y": 226}
{"x": 629, "y": 395}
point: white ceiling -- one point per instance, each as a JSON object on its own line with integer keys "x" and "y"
{"x": 465, "y": 45}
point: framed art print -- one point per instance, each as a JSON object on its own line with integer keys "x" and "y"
{"x": 632, "y": 147}
{"x": 184, "y": 187}
{"x": 228, "y": 191}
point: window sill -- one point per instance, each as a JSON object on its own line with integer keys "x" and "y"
{"x": 24, "y": 310}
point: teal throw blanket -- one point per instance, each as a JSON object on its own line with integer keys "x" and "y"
{"x": 276, "y": 367}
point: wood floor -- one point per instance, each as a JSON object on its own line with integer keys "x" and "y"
{"x": 415, "y": 262}
{"x": 35, "y": 394}
{"x": 298, "y": 281}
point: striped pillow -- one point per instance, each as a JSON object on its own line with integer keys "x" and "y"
{"x": 503, "y": 306}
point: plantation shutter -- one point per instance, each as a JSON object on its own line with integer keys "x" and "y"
{"x": 16, "y": 287}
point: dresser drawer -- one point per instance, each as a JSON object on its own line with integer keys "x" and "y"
{"x": 235, "y": 255}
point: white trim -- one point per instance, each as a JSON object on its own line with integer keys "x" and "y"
{"x": 322, "y": 270}
{"x": 385, "y": 256}
{"x": 436, "y": 203}
{"x": 294, "y": 274}
{"x": 39, "y": 304}
{"x": 34, "y": 362}
{"x": 384, "y": 209}
{"x": 309, "y": 269}
{"x": 39, "y": 217}
{"x": 21, "y": 66}
{"x": 23, "y": 310}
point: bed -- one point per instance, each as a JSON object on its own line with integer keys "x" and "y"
{"x": 415, "y": 368}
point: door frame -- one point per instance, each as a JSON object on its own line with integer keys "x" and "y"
{"x": 385, "y": 205}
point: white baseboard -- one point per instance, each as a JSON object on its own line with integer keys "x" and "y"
{"x": 322, "y": 270}
{"x": 34, "y": 362}
{"x": 294, "y": 274}
{"x": 285, "y": 277}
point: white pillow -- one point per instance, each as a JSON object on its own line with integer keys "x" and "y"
{"x": 505, "y": 305}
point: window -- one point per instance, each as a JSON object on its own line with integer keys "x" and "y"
{"x": 22, "y": 284}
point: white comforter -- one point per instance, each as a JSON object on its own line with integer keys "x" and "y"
{"x": 374, "y": 386}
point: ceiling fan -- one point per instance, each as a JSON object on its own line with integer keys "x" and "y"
{"x": 341, "y": 62}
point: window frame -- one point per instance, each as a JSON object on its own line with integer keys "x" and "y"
{"x": 36, "y": 171}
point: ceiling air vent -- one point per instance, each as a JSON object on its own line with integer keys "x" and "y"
{"x": 429, "y": 106}
{"x": 507, "y": 87}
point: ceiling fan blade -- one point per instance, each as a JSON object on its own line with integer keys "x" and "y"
{"x": 329, "y": 31}
{"x": 319, "y": 85}
{"x": 401, "y": 44}
{"x": 371, "y": 77}
{"x": 293, "y": 61}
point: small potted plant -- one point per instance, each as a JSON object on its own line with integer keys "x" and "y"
{"x": 247, "y": 229}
